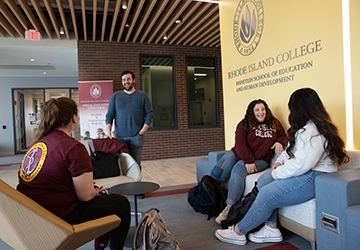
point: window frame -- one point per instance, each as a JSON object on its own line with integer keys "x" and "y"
{"x": 175, "y": 126}
{"x": 216, "y": 86}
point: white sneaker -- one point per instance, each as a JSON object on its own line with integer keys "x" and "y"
{"x": 229, "y": 236}
{"x": 222, "y": 216}
{"x": 266, "y": 234}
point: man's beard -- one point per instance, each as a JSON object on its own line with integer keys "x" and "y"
{"x": 129, "y": 88}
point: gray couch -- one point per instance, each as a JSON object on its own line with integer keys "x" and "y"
{"x": 335, "y": 193}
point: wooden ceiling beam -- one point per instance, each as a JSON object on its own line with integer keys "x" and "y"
{"x": 201, "y": 11}
{"x": 135, "y": 17}
{"x": 42, "y": 17}
{"x": 113, "y": 24}
{"x": 94, "y": 19}
{"x": 213, "y": 41}
{"x": 106, "y": 9}
{"x": 181, "y": 8}
{"x": 11, "y": 19}
{"x": 204, "y": 29}
{"x": 207, "y": 37}
{"x": 2, "y": 32}
{"x": 144, "y": 18}
{"x": 31, "y": 17}
{"x": 20, "y": 17}
{"x": 184, "y": 17}
{"x": 153, "y": 19}
{"x": 73, "y": 18}
{"x": 124, "y": 20}
{"x": 6, "y": 25}
{"x": 83, "y": 13}
{"x": 198, "y": 26}
{"x": 52, "y": 18}
{"x": 63, "y": 18}
{"x": 165, "y": 15}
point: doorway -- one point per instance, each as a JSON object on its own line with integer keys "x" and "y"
{"x": 27, "y": 105}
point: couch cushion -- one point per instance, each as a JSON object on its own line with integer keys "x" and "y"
{"x": 251, "y": 178}
{"x": 303, "y": 213}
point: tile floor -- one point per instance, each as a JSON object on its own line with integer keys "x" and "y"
{"x": 165, "y": 172}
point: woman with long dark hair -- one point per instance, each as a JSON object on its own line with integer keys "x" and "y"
{"x": 314, "y": 148}
{"x": 257, "y": 138}
{"x": 57, "y": 173}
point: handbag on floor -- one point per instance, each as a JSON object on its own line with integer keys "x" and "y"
{"x": 240, "y": 208}
{"x": 155, "y": 233}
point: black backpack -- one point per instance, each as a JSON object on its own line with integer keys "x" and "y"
{"x": 207, "y": 197}
{"x": 240, "y": 208}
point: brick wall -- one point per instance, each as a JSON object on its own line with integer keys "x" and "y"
{"x": 106, "y": 60}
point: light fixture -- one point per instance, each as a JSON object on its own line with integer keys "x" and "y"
{"x": 44, "y": 73}
{"x": 177, "y": 21}
{"x": 127, "y": 25}
{"x": 32, "y": 60}
{"x": 124, "y": 4}
{"x": 61, "y": 30}
{"x": 165, "y": 36}
{"x": 200, "y": 74}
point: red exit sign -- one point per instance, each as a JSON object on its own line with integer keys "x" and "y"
{"x": 32, "y": 35}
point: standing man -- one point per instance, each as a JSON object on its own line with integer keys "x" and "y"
{"x": 132, "y": 112}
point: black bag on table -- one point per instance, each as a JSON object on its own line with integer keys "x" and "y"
{"x": 240, "y": 208}
{"x": 207, "y": 197}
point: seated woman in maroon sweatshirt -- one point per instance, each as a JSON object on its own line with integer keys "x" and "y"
{"x": 257, "y": 138}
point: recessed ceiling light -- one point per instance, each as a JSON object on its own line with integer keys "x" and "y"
{"x": 165, "y": 37}
{"x": 61, "y": 30}
{"x": 44, "y": 73}
{"x": 127, "y": 25}
{"x": 178, "y": 21}
{"x": 32, "y": 60}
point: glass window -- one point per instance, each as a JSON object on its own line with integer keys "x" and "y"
{"x": 27, "y": 106}
{"x": 202, "y": 91}
{"x": 157, "y": 81}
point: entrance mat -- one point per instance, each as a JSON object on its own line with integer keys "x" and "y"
{"x": 167, "y": 192}
{"x": 279, "y": 246}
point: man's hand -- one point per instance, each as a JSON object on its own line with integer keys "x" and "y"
{"x": 144, "y": 129}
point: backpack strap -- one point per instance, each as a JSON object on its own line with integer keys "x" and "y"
{"x": 144, "y": 222}
{"x": 91, "y": 145}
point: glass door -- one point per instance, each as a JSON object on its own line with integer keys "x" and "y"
{"x": 27, "y": 106}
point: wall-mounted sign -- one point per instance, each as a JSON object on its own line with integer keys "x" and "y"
{"x": 32, "y": 35}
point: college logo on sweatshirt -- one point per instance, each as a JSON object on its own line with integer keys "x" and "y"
{"x": 264, "y": 131}
{"x": 248, "y": 25}
{"x": 33, "y": 161}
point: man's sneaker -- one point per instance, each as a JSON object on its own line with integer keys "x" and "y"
{"x": 229, "y": 236}
{"x": 222, "y": 216}
{"x": 266, "y": 234}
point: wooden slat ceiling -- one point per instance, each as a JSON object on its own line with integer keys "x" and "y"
{"x": 143, "y": 21}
